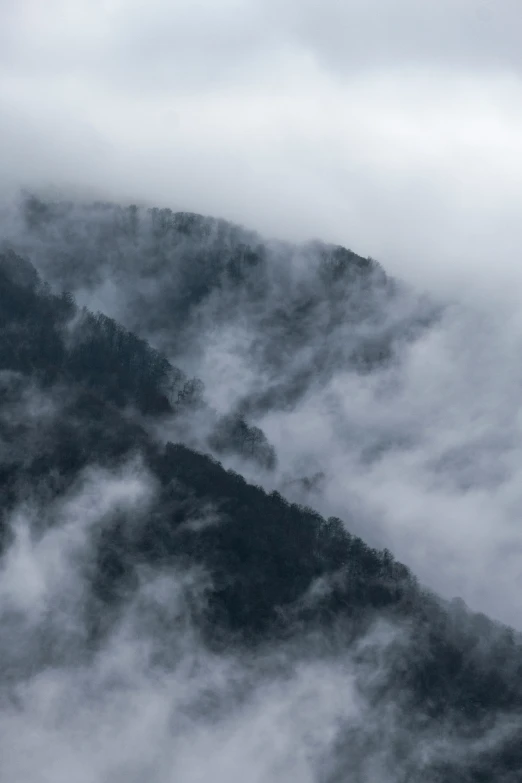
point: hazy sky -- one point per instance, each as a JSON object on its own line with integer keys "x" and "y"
{"x": 392, "y": 127}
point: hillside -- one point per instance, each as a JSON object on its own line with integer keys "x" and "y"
{"x": 136, "y": 566}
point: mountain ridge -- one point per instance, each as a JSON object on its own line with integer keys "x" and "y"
{"x": 79, "y": 398}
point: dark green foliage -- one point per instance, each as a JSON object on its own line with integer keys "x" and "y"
{"x": 30, "y": 322}
{"x": 317, "y": 306}
{"x": 44, "y": 334}
{"x": 277, "y": 569}
{"x": 107, "y": 357}
{"x": 233, "y": 434}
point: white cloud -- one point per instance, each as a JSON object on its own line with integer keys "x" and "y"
{"x": 392, "y": 128}
{"x": 425, "y": 458}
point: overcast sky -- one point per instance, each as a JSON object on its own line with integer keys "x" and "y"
{"x": 391, "y": 126}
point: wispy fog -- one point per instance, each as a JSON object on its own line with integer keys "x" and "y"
{"x": 386, "y": 394}
{"x": 390, "y": 128}
{"x": 418, "y": 452}
{"x": 151, "y": 701}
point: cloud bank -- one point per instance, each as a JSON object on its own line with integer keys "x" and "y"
{"x": 390, "y": 128}
{"x": 417, "y": 451}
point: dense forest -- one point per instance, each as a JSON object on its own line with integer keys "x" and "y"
{"x": 92, "y": 399}
{"x": 178, "y": 279}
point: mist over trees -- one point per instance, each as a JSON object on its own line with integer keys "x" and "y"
{"x": 177, "y": 277}
{"x": 128, "y": 559}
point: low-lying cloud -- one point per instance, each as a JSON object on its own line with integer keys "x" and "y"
{"x": 393, "y": 130}
{"x": 152, "y": 701}
{"x": 419, "y": 454}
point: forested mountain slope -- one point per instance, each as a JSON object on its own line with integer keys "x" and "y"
{"x": 186, "y": 282}
{"x": 134, "y": 569}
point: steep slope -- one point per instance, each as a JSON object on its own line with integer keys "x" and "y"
{"x": 187, "y": 283}
{"x": 316, "y": 365}
{"x": 104, "y": 528}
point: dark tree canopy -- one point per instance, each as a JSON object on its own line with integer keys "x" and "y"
{"x": 277, "y": 570}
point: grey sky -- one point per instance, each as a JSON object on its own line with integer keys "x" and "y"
{"x": 392, "y": 127}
